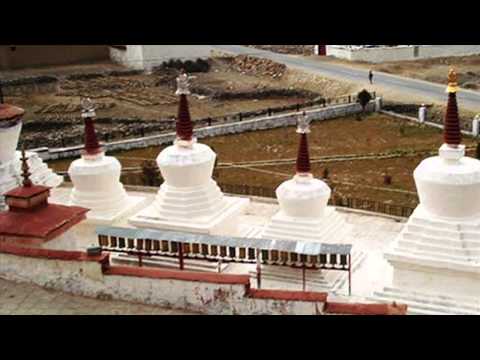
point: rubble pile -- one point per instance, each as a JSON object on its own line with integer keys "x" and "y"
{"x": 287, "y": 49}
{"x": 257, "y": 66}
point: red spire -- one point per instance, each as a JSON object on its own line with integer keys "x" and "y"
{"x": 92, "y": 147}
{"x": 452, "y": 133}
{"x": 184, "y": 122}
{"x": 303, "y": 157}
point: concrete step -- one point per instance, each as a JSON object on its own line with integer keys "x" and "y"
{"x": 452, "y": 226}
{"x": 447, "y": 234}
{"x": 426, "y": 255}
{"x": 420, "y": 245}
{"x": 424, "y": 304}
{"x": 431, "y": 239}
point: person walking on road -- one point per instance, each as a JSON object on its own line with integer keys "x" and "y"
{"x": 370, "y": 76}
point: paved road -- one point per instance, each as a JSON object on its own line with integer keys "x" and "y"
{"x": 416, "y": 90}
{"x": 26, "y": 299}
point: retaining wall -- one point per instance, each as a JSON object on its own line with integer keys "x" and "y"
{"x": 262, "y": 123}
{"x": 210, "y": 293}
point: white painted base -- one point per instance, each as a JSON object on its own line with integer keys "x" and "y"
{"x": 437, "y": 255}
{"x": 330, "y": 228}
{"x": 192, "y": 210}
{"x": 334, "y": 282}
{"x": 421, "y": 303}
{"x": 129, "y": 206}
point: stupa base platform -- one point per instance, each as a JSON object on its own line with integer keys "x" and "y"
{"x": 330, "y": 228}
{"x": 129, "y": 206}
{"x": 222, "y": 221}
{"x": 315, "y": 280}
{"x": 421, "y": 303}
{"x": 437, "y": 255}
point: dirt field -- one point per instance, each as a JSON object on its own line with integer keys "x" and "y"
{"x": 232, "y": 85}
{"x": 374, "y": 138}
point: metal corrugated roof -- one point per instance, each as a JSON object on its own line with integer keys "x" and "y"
{"x": 299, "y": 247}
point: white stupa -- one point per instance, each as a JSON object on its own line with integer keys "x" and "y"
{"x": 10, "y": 163}
{"x": 96, "y": 179}
{"x": 189, "y": 199}
{"x": 304, "y": 214}
{"x": 438, "y": 252}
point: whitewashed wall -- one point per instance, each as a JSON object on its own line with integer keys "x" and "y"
{"x": 401, "y": 53}
{"x": 145, "y": 57}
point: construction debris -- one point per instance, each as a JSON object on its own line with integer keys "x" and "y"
{"x": 251, "y": 65}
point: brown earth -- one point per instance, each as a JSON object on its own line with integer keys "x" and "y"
{"x": 249, "y": 84}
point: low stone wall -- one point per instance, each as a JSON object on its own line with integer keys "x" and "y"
{"x": 262, "y": 123}
{"x": 210, "y": 293}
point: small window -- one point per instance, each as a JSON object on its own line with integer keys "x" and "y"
{"x": 232, "y": 252}
{"x": 156, "y": 245}
{"x": 114, "y": 242}
{"x": 140, "y": 244}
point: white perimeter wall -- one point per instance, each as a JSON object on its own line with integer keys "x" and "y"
{"x": 145, "y": 57}
{"x": 86, "y": 278}
{"x": 401, "y": 53}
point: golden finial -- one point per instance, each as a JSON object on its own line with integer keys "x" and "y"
{"x": 25, "y": 170}
{"x": 452, "y": 81}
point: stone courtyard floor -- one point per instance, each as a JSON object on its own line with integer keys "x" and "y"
{"x": 26, "y": 299}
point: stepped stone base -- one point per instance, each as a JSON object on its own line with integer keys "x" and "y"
{"x": 103, "y": 216}
{"x": 190, "y": 211}
{"x": 437, "y": 255}
{"x": 429, "y": 303}
{"x": 330, "y": 228}
{"x": 316, "y": 280}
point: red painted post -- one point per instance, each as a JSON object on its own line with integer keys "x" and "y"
{"x": 350, "y": 275}
{"x": 259, "y": 271}
{"x": 304, "y": 277}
